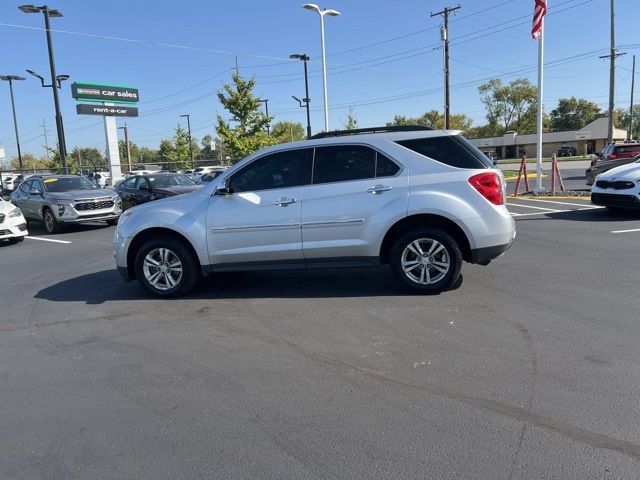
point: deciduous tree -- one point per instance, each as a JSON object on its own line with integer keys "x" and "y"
{"x": 573, "y": 113}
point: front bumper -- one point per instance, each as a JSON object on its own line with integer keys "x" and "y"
{"x": 609, "y": 199}
{"x": 13, "y": 228}
{"x": 67, "y": 213}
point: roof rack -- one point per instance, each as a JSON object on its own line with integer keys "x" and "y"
{"x": 358, "y": 131}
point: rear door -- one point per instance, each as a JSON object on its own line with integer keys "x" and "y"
{"x": 356, "y": 193}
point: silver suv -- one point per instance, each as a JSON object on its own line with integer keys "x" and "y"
{"x": 417, "y": 199}
{"x": 62, "y": 199}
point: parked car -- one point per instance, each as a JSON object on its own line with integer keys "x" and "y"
{"x": 13, "y": 226}
{"x": 210, "y": 177}
{"x": 57, "y": 200}
{"x": 618, "y": 188}
{"x": 418, "y": 199}
{"x": 198, "y": 172}
{"x": 10, "y": 182}
{"x": 567, "y": 151}
{"x": 612, "y": 156}
{"x": 145, "y": 188}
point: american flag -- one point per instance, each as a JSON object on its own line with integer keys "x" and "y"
{"x": 538, "y": 15}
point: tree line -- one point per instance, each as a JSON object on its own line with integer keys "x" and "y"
{"x": 508, "y": 106}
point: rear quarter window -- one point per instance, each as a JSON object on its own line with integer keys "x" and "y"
{"x": 452, "y": 150}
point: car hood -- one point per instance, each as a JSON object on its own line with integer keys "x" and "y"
{"x": 71, "y": 195}
{"x": 630, "y": 171}
{"x": 177, "y": 190}
{"x": 6, "y": 207}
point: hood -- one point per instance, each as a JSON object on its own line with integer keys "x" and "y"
{"x": 630, "y": 171}
{"x": 81, "y": 194}
{"x": 6, "y": 207}
{"x": 177, "y": 190}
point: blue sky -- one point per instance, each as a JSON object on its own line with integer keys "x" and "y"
{"x": 384, "y": 58}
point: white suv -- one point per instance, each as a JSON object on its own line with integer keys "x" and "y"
{"x": 420, "y": 200}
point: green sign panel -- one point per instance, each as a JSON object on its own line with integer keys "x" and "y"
{"x": 104, "y": 93}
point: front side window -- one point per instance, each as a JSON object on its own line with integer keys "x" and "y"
{"x": 25, "y": 186}
{"x": 163, "y": 181}
{"x": 130, "y": 182}
{"x": 277, "y": 170}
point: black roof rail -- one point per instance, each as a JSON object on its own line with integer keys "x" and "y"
{"x": 357, "y": 131}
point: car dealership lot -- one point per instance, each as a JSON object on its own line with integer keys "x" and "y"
{"x": 527, "y": 369}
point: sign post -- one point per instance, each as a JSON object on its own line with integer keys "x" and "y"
{"x": 116, "y": 101}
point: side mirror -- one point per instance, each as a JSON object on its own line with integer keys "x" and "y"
{"x": 34, "y": 191}
{"x": 225, "y": 189}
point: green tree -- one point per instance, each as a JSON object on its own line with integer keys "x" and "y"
{"x": 122, "y": 150}
{"x": 89, "y": 158}
{"x": 435, "y": 119}
{"x": 166, "y": 153}
{"x": 352, "y": 122}
{"x": 246, "y": 132}
{"x": 146, "y": 155}
{"x": 621, "y": 118}
{"x": 511, "y": 106}
{"x": 29, "y": 163}
{"x": 288, "y": 132}
{"x": 573, "y": 113}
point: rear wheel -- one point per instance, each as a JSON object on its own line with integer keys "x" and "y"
{"x": 166, "y": 267}
{"x": 50, "y": 222}
{"x": 426, "y": 260}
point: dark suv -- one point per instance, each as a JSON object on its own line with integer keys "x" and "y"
{"x": 567, "y": 151}
{"x": 613, "y": 155}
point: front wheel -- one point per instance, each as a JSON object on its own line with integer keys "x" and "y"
{"x": 50, "y": 222}
{"x": 426, "y": 260}
{"x": 166, "y": 267}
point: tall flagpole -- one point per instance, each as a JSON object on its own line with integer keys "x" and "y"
{"x": 539, "y": 120}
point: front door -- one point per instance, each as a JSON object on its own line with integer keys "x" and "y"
{"x": 259, "y": 221}
{"x": 355, "y": 195}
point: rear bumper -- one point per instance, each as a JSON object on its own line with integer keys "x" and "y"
{"x": 483, "y": 256}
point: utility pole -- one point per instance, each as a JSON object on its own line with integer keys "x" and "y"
{"x": 633, "y": 81}
{"x": 46, "y": 141}
{"x": 612, "y": 72}
{"x": 445, "y": 37}
{"x": 126, "y": 142}
{"x": 266, "y": 108}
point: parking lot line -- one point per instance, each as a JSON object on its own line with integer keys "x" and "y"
{"x": 531, "y": 206}
{"x": 626, "y": 231}
{"x": 47, "y": 239}
{"x": 563, "y": 203}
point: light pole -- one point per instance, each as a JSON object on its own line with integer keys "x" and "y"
{"x": 190, "y": 142}
{"x": 266, "y": 109}
{"x": 322, "y": 13}
{"x": 10, "y": 79}
{"x": 47, "y": 12}
{"x": 126, "y": 142}
{"x": 304, "y": 59}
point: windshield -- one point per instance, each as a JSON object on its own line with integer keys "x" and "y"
{"x": 65, "y": 184}
{"x": 170, "y": 181}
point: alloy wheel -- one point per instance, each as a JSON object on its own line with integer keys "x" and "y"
{"x": 162, "y": 268}
{"x": 425, "y": 261}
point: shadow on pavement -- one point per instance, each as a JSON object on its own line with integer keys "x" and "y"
{"x": 97, "y": 288}
{"x": 37, "y": 228}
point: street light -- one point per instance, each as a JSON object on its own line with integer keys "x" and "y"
{"x": 47, "y": 12}
{"x": 322, "y": 13}
{"x": 10, "y": 79}
{"x": 304, "y": 59}
{"x": 190, "y": 142}
{"x": 266, "y": 108}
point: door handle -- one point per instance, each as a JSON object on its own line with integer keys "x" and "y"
{"x": 284, "y": 201}
{"x": 378, "y": 189}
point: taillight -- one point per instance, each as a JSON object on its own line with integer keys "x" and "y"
{"x": 612, "y": 156}
{"x": 489, "y": 185}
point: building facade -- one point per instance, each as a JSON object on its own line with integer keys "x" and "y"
{"x": 591, "y": 138}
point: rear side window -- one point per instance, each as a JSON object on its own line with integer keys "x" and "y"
{"x": 350, "y": 162}
{"x": 628, "y": 148}
{"x": 451, "y": 150}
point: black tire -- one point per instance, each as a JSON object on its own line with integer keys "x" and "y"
{"x": 112, "y": 223}
{"x": 449, "y": 254}
{"x": 51, "y": 225}
{"x": 190, "y": 273}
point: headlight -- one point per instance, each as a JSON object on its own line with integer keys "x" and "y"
{"x": 16, "y": 212}
{"x": 62, "y": 206}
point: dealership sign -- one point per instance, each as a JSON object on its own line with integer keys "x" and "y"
{"x": 108, "y": 110}
{"x": 104, "y": 93}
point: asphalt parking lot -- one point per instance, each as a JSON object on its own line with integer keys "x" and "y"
{"x": 528, "y": 368}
